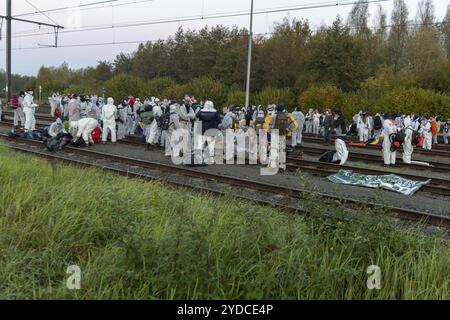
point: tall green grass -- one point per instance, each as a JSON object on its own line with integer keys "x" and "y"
{"x": 140, "y": 240}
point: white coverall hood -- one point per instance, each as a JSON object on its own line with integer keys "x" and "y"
{"x": 209, "y": 106}
{"x": 110, "y": 101}
{"x": 341, "y": 151}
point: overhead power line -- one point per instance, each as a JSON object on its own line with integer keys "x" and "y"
{"x": 64, "y": 8}
{"x": 206, "y": 17}
{"x": 41, "y": 12}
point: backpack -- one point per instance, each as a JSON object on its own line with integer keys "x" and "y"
{"x": 147, "y": 117}
{"x": 281, "y": 123}
{"x": 164, "y": 121}
{"x": 415, "y": 137}
{"x": 260, "y": 118}
{"x": 96, "y": 135}
{"x": 58, "y": 112}
{"x": 397, "y": 140}
{"x": 377, "y": 124}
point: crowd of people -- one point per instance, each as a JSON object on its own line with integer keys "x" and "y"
{"x": 87, "y": 118}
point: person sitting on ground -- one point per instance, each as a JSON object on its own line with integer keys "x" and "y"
{"x": 339, "y": 156}
{"x": 56, "y": 128}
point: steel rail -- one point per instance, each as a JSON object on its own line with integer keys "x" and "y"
{"x": 401, "y": 213}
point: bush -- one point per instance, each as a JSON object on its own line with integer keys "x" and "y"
{"x": 213, "y": 90}
{"x": 85, "y": 88}
{"x": 156, "y": 87}
{"x": 236, "y": 97}
{"x": 123, "y": 85}
{"x": 398, "y": 100}
{"x": 275, "y": 96}
{"x": 175, "y": 92}
{"x": 321, "y": 97}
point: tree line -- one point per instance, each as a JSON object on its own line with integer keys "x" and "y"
{"x": 358, "y": 66}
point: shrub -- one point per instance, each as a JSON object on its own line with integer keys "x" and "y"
{"x": 213, "y": 90}
{"x": 123, "y": 85}
{"x": 236, "y": 97}
{"x": 175, "y": 92}
{"x": 156, "y": 87}
{"x": 321, "y": 97}
{"x": 275, "y": 96}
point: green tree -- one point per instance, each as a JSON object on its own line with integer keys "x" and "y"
{"x": 123, "y": 85}
{"x": 398, "y": 35}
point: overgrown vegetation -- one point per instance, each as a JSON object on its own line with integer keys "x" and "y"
{"x": 141, "y": 240}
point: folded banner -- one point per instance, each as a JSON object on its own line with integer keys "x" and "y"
{"x": 390, "y": 182}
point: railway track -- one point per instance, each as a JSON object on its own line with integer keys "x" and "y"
{"x": 288, "y": 196}
{"x": 43, "y": 120}
{"x": 319, "y": 139}
{"x": 377, "y": 159}
{"x": 443, "y": 152}
{"x": 436, "y": 186}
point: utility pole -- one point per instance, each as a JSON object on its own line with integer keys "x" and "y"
{"x": 8, "y": 52}
{"x": 9, "y": 18}
{"x": 249, "y": 61}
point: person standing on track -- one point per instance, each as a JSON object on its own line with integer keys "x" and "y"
{"x": 426, "y": 132}
{"x": 308, "y": 121}
{"x": 446, "y": 131}
{"x": 389, "y": 127}
{"x": 109, "y": 115}
{"x": 29, "y": 108}
{"x": 328, "y": 125}
{"x": 407, "y": 143}
{"x": 18, "y": 112}
{"x": 300, "y": 119}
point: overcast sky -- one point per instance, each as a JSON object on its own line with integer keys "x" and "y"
{"x": 28, "y": 61}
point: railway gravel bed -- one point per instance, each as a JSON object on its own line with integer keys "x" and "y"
{"x": 433, "y": 204}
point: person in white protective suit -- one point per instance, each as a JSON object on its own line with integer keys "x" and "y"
{"x": 446, "y": 131}
{"x": 364, "y": 127}
{"x": 299, "y": 117}
{"x": 174, "y": 124}
{"x": 407, "y": 143}
{"x": 132, "y": 116}
{"x": 187, "y": 115}
{"x": 98, "y": 108}
{"x": 29, "y": 108}
{"x": 56, "y": 128}
{"x": 341, "y": 154}
{"x": 64, "y": 106}
{"x": 316, "y": 122}
{"x": 308, "y": 121}
{"x": 53, "y": 100}
{"x": 121, "y": 120}
{"x": 425, "y": 130}
{"x": 84, "y": 127}
{"x": 155, "y": 127}
{"x": 109, "y": 114}
{"x": 389, "y": 127}
{"x": 74, "y": 109}
{"x": 18, "y": 112}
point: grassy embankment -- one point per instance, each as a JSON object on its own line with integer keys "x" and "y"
{"x": 141, "y": 240}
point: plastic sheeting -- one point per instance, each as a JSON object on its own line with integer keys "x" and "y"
{"x": 390, "y": 182}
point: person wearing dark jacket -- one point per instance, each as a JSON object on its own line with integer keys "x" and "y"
{"x": 328, "y": 125}
{"x": 210, "y": 120}
{"x": 340, "y": 124}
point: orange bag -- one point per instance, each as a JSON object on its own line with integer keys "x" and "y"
{"x": 434, "y": 129}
